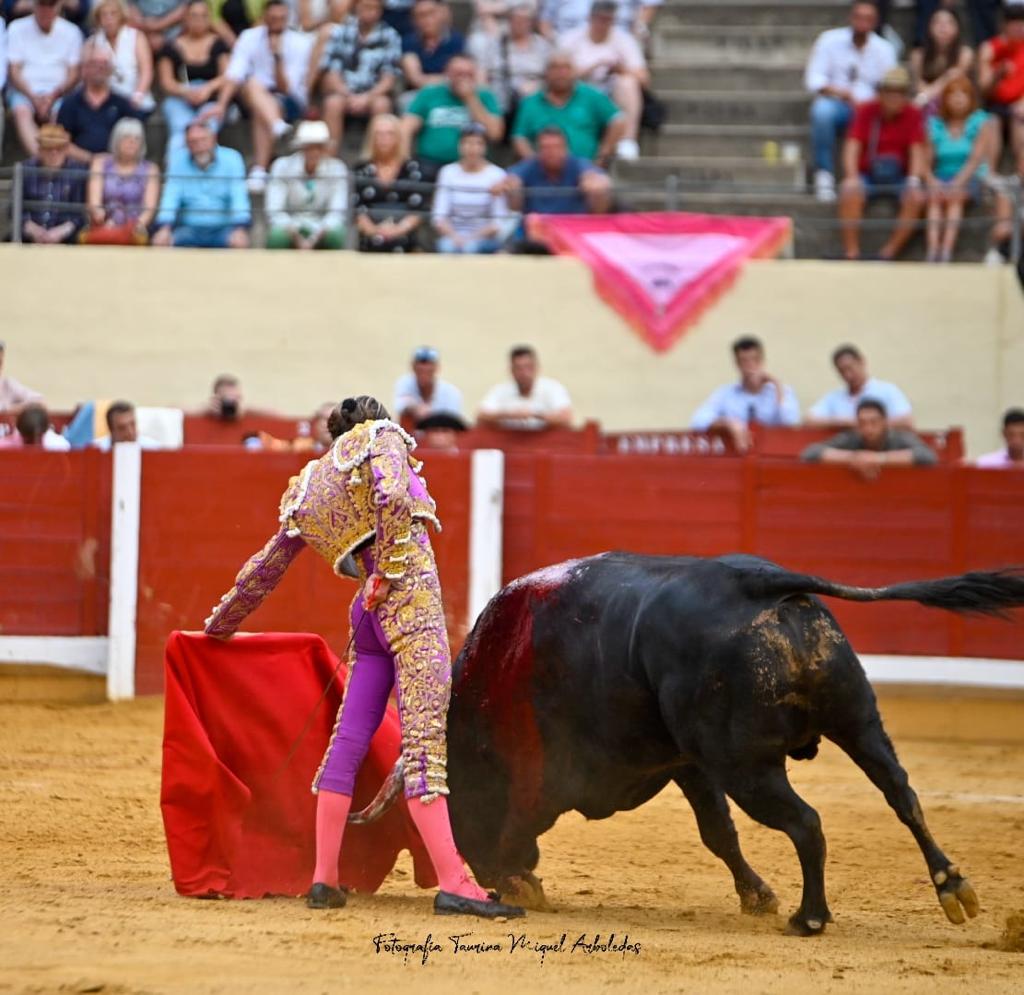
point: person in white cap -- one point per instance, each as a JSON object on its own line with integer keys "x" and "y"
{"x": 421, "y": 392}
{"x": 305, "y": 201}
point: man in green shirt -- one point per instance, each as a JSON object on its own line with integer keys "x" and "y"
{"x": 872, "y": 444}
{"x": 592, "y": 124}
{"x": 437, "y": 115}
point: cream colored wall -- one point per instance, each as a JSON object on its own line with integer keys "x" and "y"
{"x": 156, "y": 326}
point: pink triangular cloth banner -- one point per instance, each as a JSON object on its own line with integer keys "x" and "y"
{"x": 660, "y": 271}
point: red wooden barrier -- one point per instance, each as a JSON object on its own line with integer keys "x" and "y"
{"x": 911, "y": 523}
{"x": 568, "y": 506}
{"x": 54, "y": 543}
{"x": 205, "y": 511}
{"x": 586, "y": 440}
{"x": 205, "y": 430}
{"x": 772, "y": 442}
{"x": 769, "y": 442}
{"x": 989, "y": 503}
{"x": 671, "y": 442}
{"x": 824, "y": 520}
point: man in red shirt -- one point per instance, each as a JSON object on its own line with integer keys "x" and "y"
{"x": 1001, "y": 76}
{"x": 884, "y": 154}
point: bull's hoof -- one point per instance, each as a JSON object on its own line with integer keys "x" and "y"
{"x": 525, "y": 890}
{"x": 801, "y": 924}
{"x": 956, "y": 895}
{"x": 760, "y": 901}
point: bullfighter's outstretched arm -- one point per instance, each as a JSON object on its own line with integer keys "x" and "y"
{"x": 257, "y": 578}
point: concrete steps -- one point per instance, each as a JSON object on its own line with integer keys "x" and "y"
{"x": 814, "y": 14}
{"x": 714, "y": 171}
{"x": 761, "y": 77}
{"x": 732, "y": 44}
{"x": 815, "y": 233}
{"x": 726, "y": 107}
{"x": 735, "y": 140}
{"x": 755, "y": 15}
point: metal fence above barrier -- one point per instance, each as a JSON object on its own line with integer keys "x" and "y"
{"x": 19, "y": 203}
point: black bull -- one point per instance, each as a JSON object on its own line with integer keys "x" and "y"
{"x": 593, "y": 684}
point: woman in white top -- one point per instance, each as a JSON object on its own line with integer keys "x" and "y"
{"x": 512, "y": 62}
{"x": 468, "y": 216}
{"x": 309, "y": 16}
{"x": 129, "y": 50}
{"x": 490, "y": 17}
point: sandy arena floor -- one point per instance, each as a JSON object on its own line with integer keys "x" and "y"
{"x": 86, "y": 902}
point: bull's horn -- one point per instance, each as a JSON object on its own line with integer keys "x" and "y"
{"x": 386, "y": 797}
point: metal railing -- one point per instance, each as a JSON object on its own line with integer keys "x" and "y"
{"x": 671, "y": 193}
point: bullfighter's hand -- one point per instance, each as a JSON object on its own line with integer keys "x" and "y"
{"x": 375, "y": 591}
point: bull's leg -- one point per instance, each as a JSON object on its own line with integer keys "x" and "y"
{"x": 516, "y": 882}
{"x": 718, "y": 834}
{"x": 872, "y": 750}
{"x": 766, "y": 795}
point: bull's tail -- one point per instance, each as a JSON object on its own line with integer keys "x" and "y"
{"x": 976, "y": 593}
{"x": 386, "y": 796}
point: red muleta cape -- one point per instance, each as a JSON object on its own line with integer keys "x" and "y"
{"x": 237, "y": 825}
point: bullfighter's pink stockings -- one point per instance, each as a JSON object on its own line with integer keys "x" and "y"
{"x": 331, "y": 815}
{"x": 431, "y": 819}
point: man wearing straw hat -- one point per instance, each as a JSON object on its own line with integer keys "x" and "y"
{"x": 53, "y": 188}
{"x": 884, "y": 155}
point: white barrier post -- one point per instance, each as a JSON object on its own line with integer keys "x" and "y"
{"x": 486, "y": 515}
{"x": 124, "y": 569}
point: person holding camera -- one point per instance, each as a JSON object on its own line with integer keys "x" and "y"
{"x": 226, "y": 401}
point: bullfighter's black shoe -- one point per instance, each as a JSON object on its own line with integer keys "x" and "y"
{"x": 448, "y": 904}
{"x": 323, "y": 896}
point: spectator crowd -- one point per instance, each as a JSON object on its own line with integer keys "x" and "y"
{"x": 871, "y": 420}
{"x": 931, "y": 135}
{"x": 525, "y": 113}
{"x": 436, "y": 108}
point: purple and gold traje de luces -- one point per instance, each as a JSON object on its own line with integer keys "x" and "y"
{"x": 367, "y": 488}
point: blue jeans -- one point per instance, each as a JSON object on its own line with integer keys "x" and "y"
{"x": 291, "y": 109}
{"x": 205, "y": 237}
{"x": 829, "y": 120}
{"x": 896, "y": 187}
{"x": 15, "y": 98}
{"x": 179, "y": 114}
{"x": 474, "y": 246}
